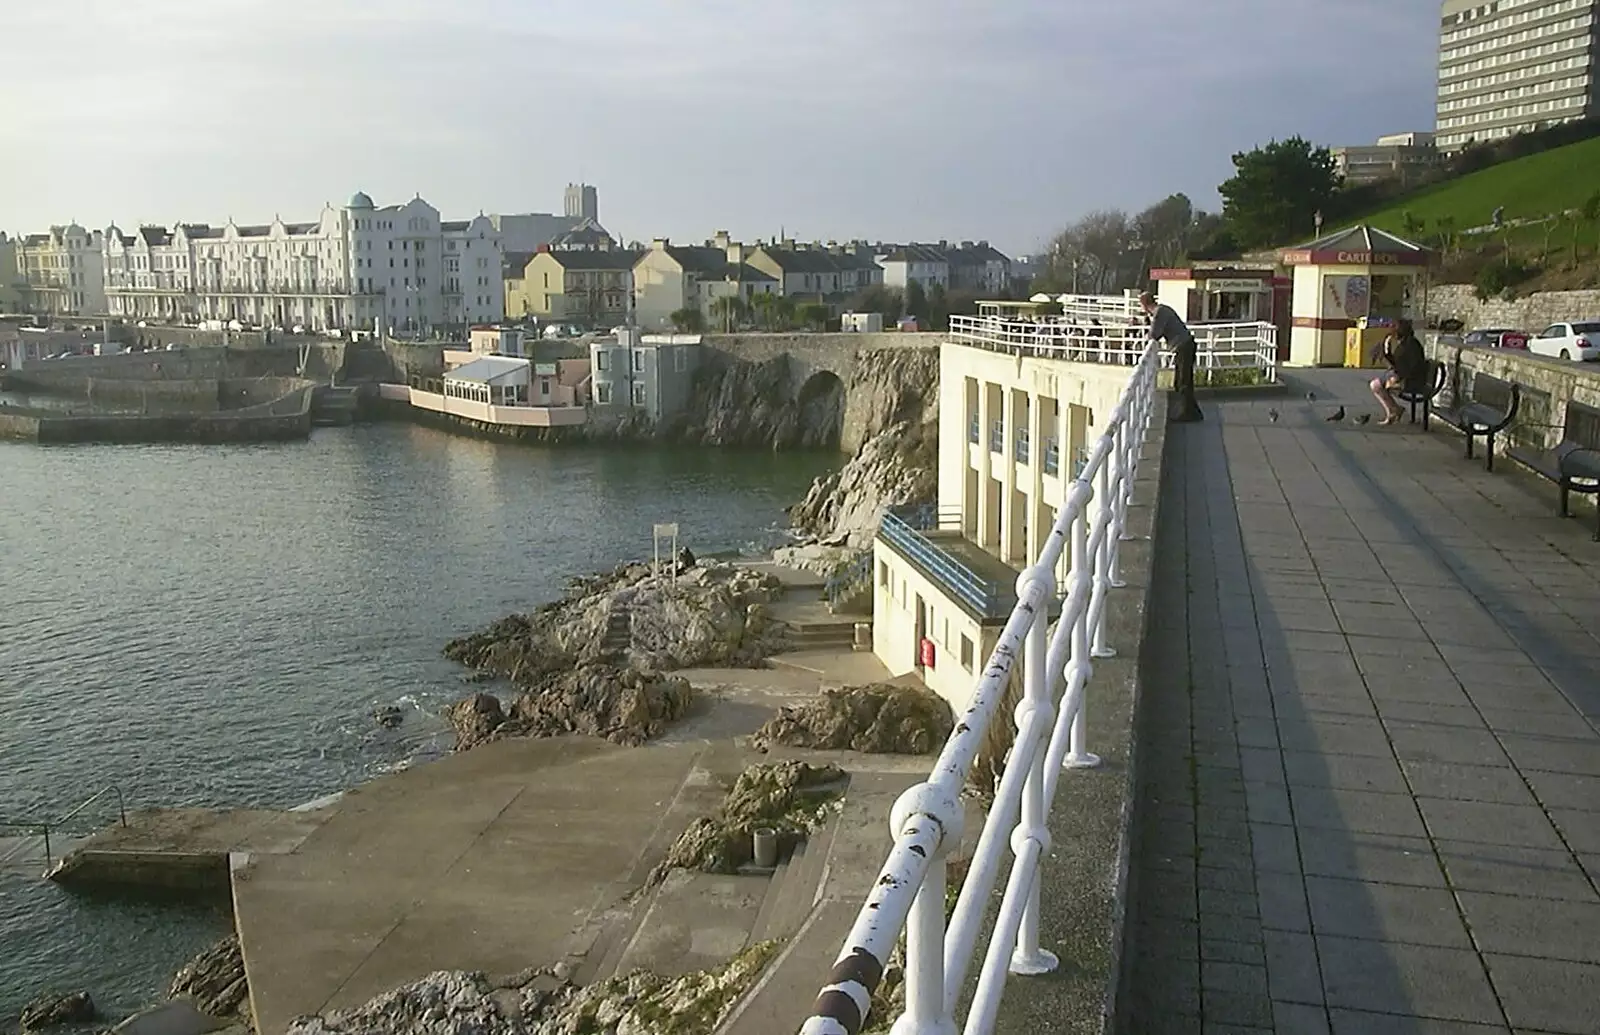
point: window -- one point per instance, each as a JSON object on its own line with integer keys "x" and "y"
{"x": 883, "y": 574}
{"x": 967, "y": 652}
{"x": 680, "y": 360}
{"x": 602, "y": 392}
{"x": 638, "y": 393}
{"x": 638, "y": 359}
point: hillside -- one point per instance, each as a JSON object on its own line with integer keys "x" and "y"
{"x": 1544, "y": 246}
{"x": 1531, "y": 187}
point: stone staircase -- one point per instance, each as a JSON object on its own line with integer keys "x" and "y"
{"x": 619, "y": 632}
{"x": 832, "y": 633}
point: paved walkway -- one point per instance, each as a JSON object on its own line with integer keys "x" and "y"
{"x": 1371, "y": 783}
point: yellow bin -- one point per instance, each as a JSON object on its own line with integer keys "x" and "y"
{"x": 1363, "y": 346}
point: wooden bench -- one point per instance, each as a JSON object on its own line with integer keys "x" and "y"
{"x": 1489, "y": 410}
{"x": 1574, "y": 462}
{"x": 1423, "y": 399}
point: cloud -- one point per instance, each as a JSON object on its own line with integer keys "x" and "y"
{"x": 830, "y": 118}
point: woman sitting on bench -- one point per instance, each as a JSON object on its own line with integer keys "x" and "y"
{"x": 1408, "y": 368}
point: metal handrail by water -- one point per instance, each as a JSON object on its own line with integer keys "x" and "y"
{"x": 1051, "y": 734}
{"x": 44, "y": 828}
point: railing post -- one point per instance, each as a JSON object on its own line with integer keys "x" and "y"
{"x": 1119, "y": 500}
{"x": 925, "y": 1012}
{"x": 1037, "y": 696}
{"x": 1104, "y": 521}
{"x": 1079, "y": 667}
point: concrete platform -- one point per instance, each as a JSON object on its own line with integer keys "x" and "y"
{"x": 513, "y": 855}
{"x": 1370, "y": 759}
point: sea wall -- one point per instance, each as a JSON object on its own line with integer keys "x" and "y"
{"x": 1531, "y": 313}
{"x": 73, "y": 375}
{"x": 1547, "y": 386}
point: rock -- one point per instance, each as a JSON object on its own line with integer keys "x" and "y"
{"x": 388, "y": 716}
{"x": 897, "y": 466}
{"x": 791, "y": 797}
{"x": 640, "y": 1003}
{"x": 881, "y": 718}
{"x": 214, "y": 981}
{"x": 475, "y": 720}
{"x": 594, "y": 661}
{"x": 50, "y": 1009}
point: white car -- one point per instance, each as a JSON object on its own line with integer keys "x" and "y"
{"x": 1568, "y": 341}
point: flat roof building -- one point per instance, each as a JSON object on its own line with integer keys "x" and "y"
{"x": 1510, "y": 66}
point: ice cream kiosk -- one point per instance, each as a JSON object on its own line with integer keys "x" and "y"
{"x": 1349, "y": 290}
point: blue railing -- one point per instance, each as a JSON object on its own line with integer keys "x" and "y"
{"x": 848, "y": 577}
{"x": 903, "y": 529}
{"x": 1052, "y": 455}
{"x": 974, "y": 431}
{"x": 1023, "y": 452}
{"x": 997, "y": 437}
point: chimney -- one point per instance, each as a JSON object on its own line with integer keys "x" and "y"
{"x": 542, "y": 249}
{"x": 943, "y": 243}
{"x": 720, "y": 239}
{"x": 966, "y": 245}
{"x": 659, "y": 244}
{"x": 983, "y": 244}
{"x": 787, "y": 242}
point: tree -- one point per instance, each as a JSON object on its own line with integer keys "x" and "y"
{"x": 1276, "y": 191}
{"x": 783, "y": 312}
{"x": 916, "y": 301}
{"x": 879, "y": 299}
{"x": 1590, "y": 213}
{"x": 727, "y": 312}
{"x": 1414, "y": 228}
{"x": 688, "y": 320}
{"x": 814, "y": 316}
{"x": 1163, "y": 230}
{"x": 938, "y": 308}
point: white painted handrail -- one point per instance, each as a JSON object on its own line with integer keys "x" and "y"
{"x": 1051, "y": 734}
{"x": 1219, "y": 346}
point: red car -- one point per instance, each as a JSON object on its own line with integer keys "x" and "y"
{"x": 1497, "y": 338}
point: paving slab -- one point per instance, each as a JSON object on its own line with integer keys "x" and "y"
{"x": 1388, "y": 654}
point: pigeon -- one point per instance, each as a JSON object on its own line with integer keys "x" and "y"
{"x": 1272, "y": 415}
{"x": 1311, "y": 397}
{"x": 1362, "y": 418}
{"x": 1336, "y": 415}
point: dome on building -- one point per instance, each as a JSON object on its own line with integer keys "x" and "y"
{"x": 360, "y": 199}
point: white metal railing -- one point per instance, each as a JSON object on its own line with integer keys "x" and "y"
{"x": 1051, "y": 734}
{"x": 1220, "y": 346}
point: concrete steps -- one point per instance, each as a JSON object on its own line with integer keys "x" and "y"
{"x": 839, "y": 632}
{"x": 783, "y": 995}
{"x": 619, "y": 632}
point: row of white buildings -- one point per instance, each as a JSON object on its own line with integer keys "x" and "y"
{"x": 405, "y": 268}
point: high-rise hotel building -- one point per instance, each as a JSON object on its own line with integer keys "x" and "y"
{"x": 1509, "y": 66}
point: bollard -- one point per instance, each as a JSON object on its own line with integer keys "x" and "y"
{"x": 766, "y": 847}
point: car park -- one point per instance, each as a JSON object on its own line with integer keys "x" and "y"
{"x": 1578, "y": 340}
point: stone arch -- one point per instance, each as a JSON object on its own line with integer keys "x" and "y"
{"x": 820, "y": 405}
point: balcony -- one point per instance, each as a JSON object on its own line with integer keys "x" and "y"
{"x": 933, "y": 541}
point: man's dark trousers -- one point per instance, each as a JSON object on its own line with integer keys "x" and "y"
{"x": 1183, "y": 406}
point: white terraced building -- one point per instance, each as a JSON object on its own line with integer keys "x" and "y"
{"x": 400, "y": 266}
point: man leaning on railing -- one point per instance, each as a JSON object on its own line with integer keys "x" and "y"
{"x": 1166, "y": 325}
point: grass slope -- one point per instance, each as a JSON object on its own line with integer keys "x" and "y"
{"x": 1552, "y": 181}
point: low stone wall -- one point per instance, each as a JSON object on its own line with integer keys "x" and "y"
{"x": 72, "y": 376}
{"x": 1547, "y": 386}
{"x": 1532, "y": 313}
{"x": 24, "y": 426}
{"x": 166, "y": 871}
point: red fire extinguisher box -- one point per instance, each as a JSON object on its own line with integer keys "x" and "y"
{"x": 927, "y": 653}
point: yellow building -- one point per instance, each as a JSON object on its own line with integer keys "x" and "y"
{"x": 12, "y": 282}
{"x": 584, "y": 286}
{"x": 1357, "y": 278}
{"x": 64, "y": 271}
{"x": 1012, "y": 432}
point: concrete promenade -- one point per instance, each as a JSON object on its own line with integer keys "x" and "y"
{"x": 1370, "y": 771}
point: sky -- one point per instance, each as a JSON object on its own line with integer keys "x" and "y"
{"x": 998, "y": 120}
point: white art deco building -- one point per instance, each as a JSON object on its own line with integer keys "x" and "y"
{"x": 399, "y": 266}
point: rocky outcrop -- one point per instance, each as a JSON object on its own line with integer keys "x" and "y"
{"x": 713, "y": 614}
{"x": 541, "y": 1003}
{"x": 622, "y": 705}
{"x": 50, "y": 1009}
{"x": 740, "y": 403}
{"x": 594, "y": 661}
{"x": 789, "y": 797}
{"x": 214, "y": 981}
{"x": 894, "y": 403}
{"x": 882, "y": 718}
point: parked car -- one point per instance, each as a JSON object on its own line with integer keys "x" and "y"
{"x": 1497, "y": 338}
{"x": 1580, "y": 341}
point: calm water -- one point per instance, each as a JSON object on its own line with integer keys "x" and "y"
{"x": 214, "y": 626}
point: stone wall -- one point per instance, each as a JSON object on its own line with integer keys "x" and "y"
{"x": 1547, "y": 386}
{"x": 1532, "y": 313}
{"x": 72, "y": 376}
{"x": 23, "y": 426}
